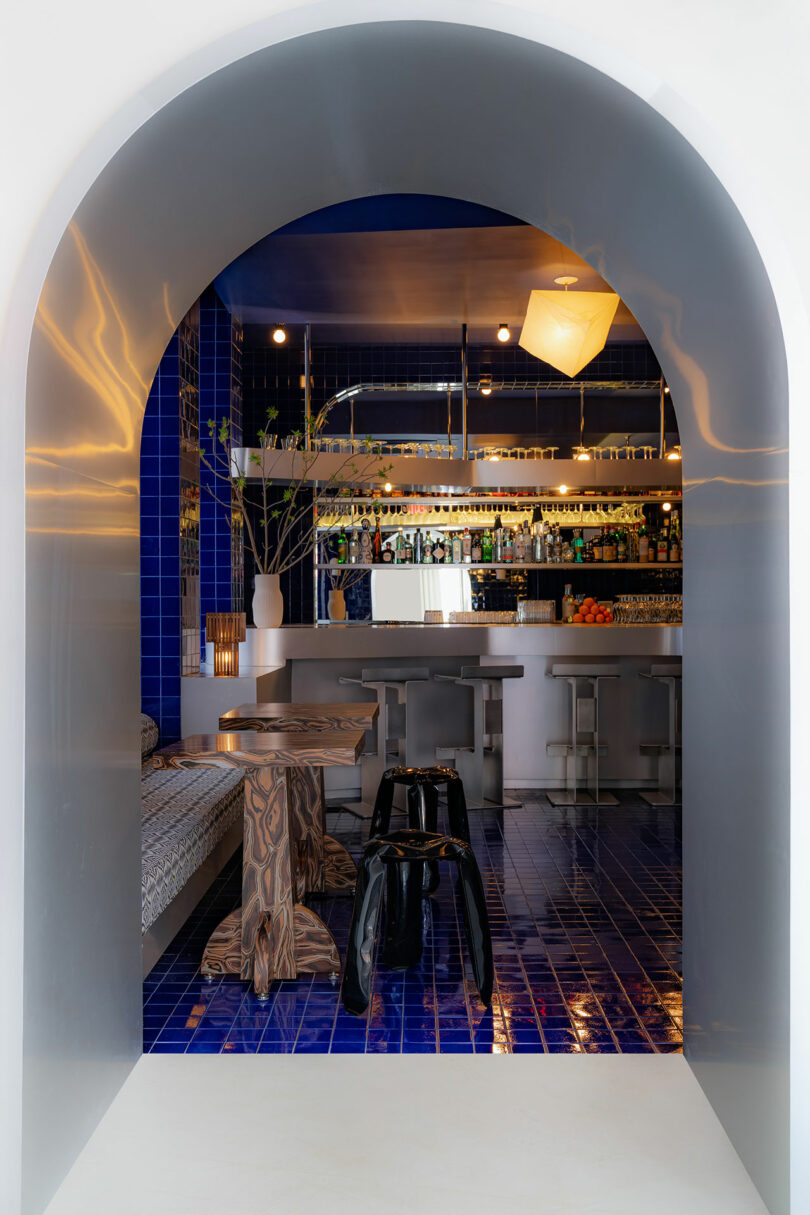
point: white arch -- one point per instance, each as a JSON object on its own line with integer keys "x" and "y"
{"x": 139, "y": 338}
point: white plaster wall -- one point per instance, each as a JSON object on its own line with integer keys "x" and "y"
{"x": 729, "y": 74}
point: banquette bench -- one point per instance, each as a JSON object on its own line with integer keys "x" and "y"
{"x": 191, "y": 825}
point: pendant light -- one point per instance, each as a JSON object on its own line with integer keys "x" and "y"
{"x": 568, "y": 329}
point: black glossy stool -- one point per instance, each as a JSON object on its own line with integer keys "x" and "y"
{"x": 423, "y": 807}
{"x": 396, "y": 862}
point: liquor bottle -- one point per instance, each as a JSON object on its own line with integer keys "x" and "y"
{"x": 475, "y": 548}
{"x": 342, "y": 547}
{"x": 632, "y": 544}
{"x": 621, "y": 545}
{"x": 354, "y": 547}
{"x": 466, "y": 546}
{"x": 457, "y": 549}
{"x": 497, "y": 540}
{"x": 558, "y": 545}
{"x": 508, "y": 546}
{"x": 517, "y": 541}
{"x": 596, "y": 545}
{"x": 417, "y": 546}
{"x": 427, "y": 550}
{"x": 587, "y": 556}
{"x": 568, "y": 605}
{"x": 387, "y": 555}
{"x": 567, "y": 555}
{"x": 674, "y": 539}
{"x": 376, "y": 543}
{"x": 366, "y": 551}
{"x": 448, "y": 550}
{"x": 643, "y": 544}
{"x": 578, "y": 544}
{"x": 438, "y": 549}
{"x": 408, "y": 551}
{"x": 486, "y": 547}
{"x": 400, "y": 548}
{"x": 528, "y": 555}
{"x": 662, "y": 545}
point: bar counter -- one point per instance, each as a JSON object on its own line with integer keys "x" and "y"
{"x": 306, "y": 662}
{"x": 273, "y": 647}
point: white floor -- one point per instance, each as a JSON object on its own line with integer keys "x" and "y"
{"x": 373, "y": 1135}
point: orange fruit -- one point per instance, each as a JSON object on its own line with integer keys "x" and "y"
{"x": 589, "y": 619}
{"x": 587, "y": 602}
{"x": 608, "y": 617}
{"x": 578, "y": 617}
{"x": 600, "y": 617}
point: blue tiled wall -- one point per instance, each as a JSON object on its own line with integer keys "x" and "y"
{"x": 221, "y": 569}
{"x": 170, "y": 570}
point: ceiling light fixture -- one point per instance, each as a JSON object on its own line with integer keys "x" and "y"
{"x": 563, "y": 489}
{"x": 503, "y": 334}
{"x": 666, "y": 389}
{"x": 485, "y": 384}
{"x": 666, "y": 506}
{"x": 388, "y": 487}
{"x": 493, "y": 459}
{"x": 675, "y": 454}
{"x": 279, "y": 335}
{"x": 568, "y": 329}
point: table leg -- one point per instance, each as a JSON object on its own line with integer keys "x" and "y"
{"x": 326, "y": 865}
{"x": 270, "y": 936}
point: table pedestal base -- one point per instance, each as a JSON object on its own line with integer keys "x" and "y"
{"x": 314, "y": 950}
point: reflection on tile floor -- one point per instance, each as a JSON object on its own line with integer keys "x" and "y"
{"x": 585, "y": 911}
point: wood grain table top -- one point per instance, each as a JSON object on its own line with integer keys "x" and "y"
{"x": 249, "y": 749}
{"x": 346, "y": 715}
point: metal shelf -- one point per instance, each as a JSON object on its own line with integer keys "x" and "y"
{"x": 510, "y": 565}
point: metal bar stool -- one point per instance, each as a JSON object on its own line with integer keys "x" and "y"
{"x": 584, "y": 720}
{"x": 480, "y": 766}
{"x": 393, "y": 716}
{"x": 394, "y": 861}
{"x": 668, "y": 753}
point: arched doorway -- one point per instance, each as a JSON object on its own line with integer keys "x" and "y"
{"x": 399, "y": 108}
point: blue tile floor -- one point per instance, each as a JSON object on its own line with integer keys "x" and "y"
{"x": 585, "y": 912}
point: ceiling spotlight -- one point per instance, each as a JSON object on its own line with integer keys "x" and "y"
{"x": 666, "y": 506}
{"x": 388, "y": 487}
{"x": 675, "y": 454}
{"x": 485, "y": 384}
{"x": 494, "y": 459}
{"x": 563, "y": 489}
{"x": 486, "y": 391}
{"x": 582, "y": 454}
{"x": 503, "y": 334}
{"x": 279, "y": 335}
{"x": 666, "y": 389}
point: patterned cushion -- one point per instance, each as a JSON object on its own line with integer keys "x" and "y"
{"x": 149, "y": 735}
{"x": 184, "y": 815}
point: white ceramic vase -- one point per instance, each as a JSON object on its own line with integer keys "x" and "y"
{"x": 336, "y": 605}
{"x": 268, "y": 602}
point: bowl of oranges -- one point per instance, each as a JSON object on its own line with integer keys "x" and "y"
{"x": 592, "y": 612}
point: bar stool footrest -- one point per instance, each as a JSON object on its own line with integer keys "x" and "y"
{"x": 581, "y": 749}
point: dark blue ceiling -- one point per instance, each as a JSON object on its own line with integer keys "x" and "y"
{"x": 398, "y": 213}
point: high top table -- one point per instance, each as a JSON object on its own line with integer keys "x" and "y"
{"x": 272, "y": 935}
{"x": 326, "y": 865}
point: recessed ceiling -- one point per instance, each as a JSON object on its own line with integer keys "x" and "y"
{"x": 406, "y": 285}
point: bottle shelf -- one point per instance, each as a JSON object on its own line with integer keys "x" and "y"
{"x": 509, "y": 565}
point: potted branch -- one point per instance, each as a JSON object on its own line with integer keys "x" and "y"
{"x": 280, "y": 515}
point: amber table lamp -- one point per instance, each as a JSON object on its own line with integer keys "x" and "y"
{"x": 225, "y": 630}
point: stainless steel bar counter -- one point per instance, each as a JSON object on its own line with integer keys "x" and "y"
{"x": 273, "y": 647}
{"x": 305, "y": 662}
